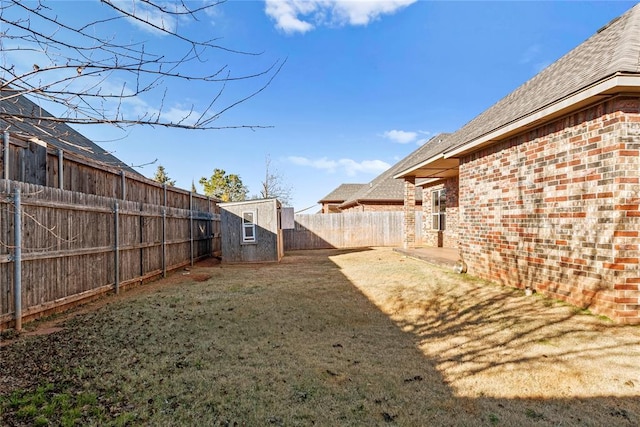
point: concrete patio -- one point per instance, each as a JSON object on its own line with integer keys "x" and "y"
{"x": 443, "y": 257}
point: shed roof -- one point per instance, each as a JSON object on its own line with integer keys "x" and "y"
{"x": 55, "y": 134}
{"x": 249, "y": 202}
{"x": 614, "y": 50}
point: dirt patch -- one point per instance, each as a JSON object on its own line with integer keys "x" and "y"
{"x": 197, "y": 277}
{"x": 364, "y": 337}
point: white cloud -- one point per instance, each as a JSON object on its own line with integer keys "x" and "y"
{"x": 400, "y": 136}
{"x": 285, "y": 13}
{"x": 530, "y": 54}
{"x": 541, "y": 65}
{"x": 347, "y": 166}
{"x": 300, "y": 16}
{"x": 426, "y": 137}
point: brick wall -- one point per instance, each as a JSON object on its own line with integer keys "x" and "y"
{"x": 449, "y": 237}
{"x": 378, "y": 207}
{"x": 556, "y": 209}
{"x": 409, "y": 219}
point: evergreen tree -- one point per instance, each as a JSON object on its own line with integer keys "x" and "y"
{"x": 162, "y": 177}
{"x": 228, "y": 188}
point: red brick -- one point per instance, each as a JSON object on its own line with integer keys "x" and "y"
{"x": 623, "y": 287}
{"x": 629, "y": 153}
{"x": 623, "y": 233}
{"x": 626, "y": 260}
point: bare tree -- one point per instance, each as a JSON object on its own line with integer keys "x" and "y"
{"x": 273, "y": 186}
{"x": 93, "y": 76}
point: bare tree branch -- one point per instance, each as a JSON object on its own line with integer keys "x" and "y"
{"x": 90, "y": 76}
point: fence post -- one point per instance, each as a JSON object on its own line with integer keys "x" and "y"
{"x": 22, "y": 171}
{"x": 141, "y": 222}
{"x": 5, "y": 140}
{"x": 60, "y": 168}
{"x": 17, "y": 259}
{"x": 123, "y": 185}
{"x": 164, "y": 191}
{"x": 191, "y": 223}
{"x": 117, "y": 247}
{"x": 209, "y": 227}
{"x": 164, "y": 242}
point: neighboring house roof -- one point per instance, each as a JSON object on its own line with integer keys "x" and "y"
{"x": 609, "y": 56}
{"x": 341, "y": 193}
{"x": 55, "y": 134}
{"x": 384, "y": 188}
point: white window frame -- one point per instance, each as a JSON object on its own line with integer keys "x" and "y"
{"x": 249, "y": 237}
{"x": 438, "y": 209}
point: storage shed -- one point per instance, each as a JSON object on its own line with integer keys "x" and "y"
{"x": 252, "y": 230}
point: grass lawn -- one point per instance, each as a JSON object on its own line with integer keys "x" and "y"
{"x": 363, "y": 337}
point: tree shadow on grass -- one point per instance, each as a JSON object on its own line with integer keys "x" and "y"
{"x": 307, "y": 342}
{"x": 507, "y": 352}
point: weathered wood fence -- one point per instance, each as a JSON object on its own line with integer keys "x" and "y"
{"x": 58, "y": 247}
{"x": 347, "y": 230}
{"x": 29, "y": 162}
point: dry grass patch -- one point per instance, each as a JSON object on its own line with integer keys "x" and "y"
{"x": 323, "y": 338}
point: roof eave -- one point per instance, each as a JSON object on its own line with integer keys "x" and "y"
{"x": 605, "y": 88}
{"x": 369, "y": 201}
{"x": 407, "y": 172}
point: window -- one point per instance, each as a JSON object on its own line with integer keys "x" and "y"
{"x": 438, "y": 208}
{"x": 248, "y": 227}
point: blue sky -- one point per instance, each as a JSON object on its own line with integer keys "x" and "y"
{"x": 363, "y": 85}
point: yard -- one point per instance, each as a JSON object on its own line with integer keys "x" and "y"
{"x": 329, "y": 337}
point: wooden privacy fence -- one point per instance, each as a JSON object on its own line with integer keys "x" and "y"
{"x": 58, "y": 247}
{"x": 26, "y": 161}
{"x": 347, "y": 230}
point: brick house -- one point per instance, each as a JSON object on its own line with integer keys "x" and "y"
{"x": 343, "y": 192}
{"x": 383, "y": 193}
{"x": 542, "y": 190}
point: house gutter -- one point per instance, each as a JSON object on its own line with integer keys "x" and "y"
{"x": 419, "y": 165}
{"x": 616, "y": 83}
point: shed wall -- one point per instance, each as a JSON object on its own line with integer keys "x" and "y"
{"x": 268, "y": 244}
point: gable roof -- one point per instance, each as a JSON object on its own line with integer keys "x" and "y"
{"x": 384, "y": 187}
{"x": 610, "y": 56}
{"x": 54, "y": 134}
{"x": 341, "y": 193}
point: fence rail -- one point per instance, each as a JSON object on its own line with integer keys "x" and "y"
{"x": 72, "y": 245}
{"x": 347, "y": 230}
{"x": 26, "y": 161}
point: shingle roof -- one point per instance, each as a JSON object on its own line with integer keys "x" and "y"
{"x": 613, "y": 49}
{"x": 55, "y": 134}
{"x": 342, "y": 193}
{"x": 384, "y": 187}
